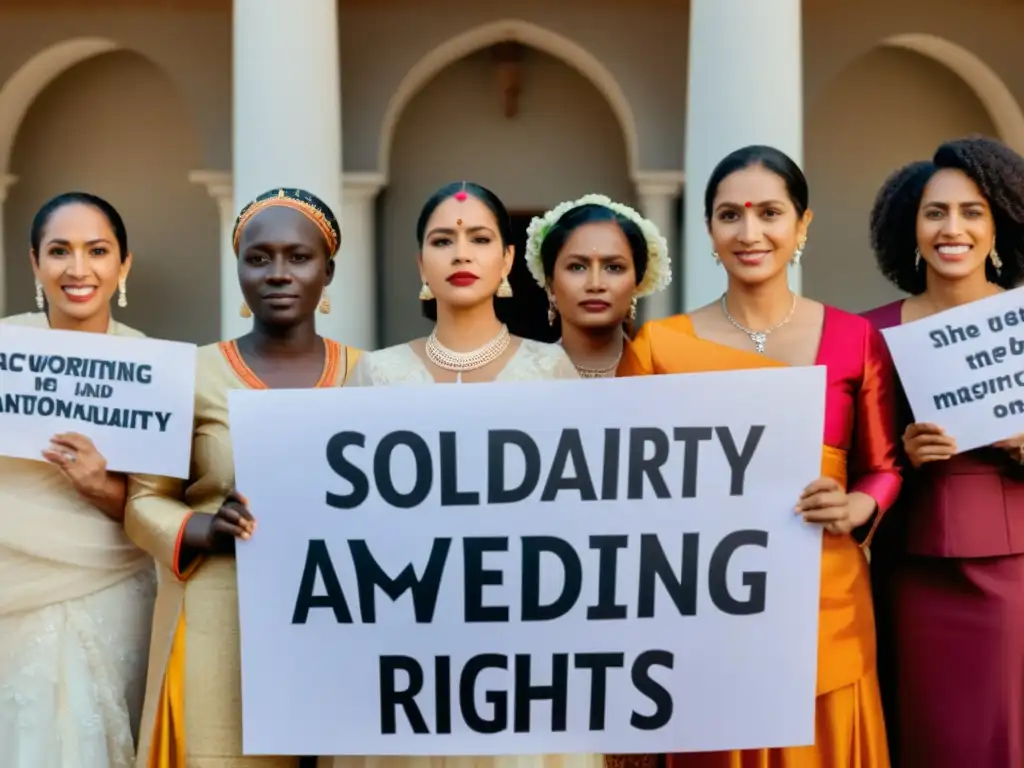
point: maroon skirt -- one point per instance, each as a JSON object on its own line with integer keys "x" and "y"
{"x": 959, "y": 635}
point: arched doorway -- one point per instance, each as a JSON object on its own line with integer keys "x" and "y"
{"x": 566, "y": 134}
{"x": 79, "y": 130}
{"x": 893, "y": 105}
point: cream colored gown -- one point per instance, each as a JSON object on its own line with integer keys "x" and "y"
{"x": 401, "y": 364}
{"x": 193, "y": 712}
{"x": 76, "y": 603}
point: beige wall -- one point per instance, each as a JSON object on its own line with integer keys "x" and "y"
{"x": 167, "y": 111}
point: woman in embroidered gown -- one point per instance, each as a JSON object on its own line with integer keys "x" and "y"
{"x": 76, "y": 596}
{"x": 756, "y": 206}
{"x": 951, "y": 575}
{"x": 464, "y": 234}
{"x": 596, "y": 258}
{"x": 465, "y": 257}
{"x": 286, "y": 241}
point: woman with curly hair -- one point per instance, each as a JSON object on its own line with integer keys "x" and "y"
{"x": 949, "y": 567}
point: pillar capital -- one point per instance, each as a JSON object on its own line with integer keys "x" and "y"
{"x": 362, "y": 184}
{"x": 219, "y": 184}
{"x": 659, "y": 183}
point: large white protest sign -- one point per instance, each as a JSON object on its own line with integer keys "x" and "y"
{"x": 963, "y": 369}
{"x": 133, "y": 397}
{"x": 539, "y": 567}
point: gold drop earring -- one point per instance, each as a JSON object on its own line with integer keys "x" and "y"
{"x": 325, "y": 303}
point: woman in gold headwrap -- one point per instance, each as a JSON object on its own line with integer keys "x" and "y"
{"x": 285, "y": 241}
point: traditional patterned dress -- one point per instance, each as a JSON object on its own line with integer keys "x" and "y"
{"x": 401, "y": 364}
{"x": 193, "y": 712}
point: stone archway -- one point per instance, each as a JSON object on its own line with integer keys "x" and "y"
{"x": 990, "y": 89}
{"x": 110, "y": 153}
{"x": 32, "y": 78}
{"x": 861, "y": 127}
{"x": 567, "y": 140}
{"x": 508, "y": 30}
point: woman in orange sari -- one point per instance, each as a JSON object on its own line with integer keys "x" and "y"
{"x": 756, "y": 206}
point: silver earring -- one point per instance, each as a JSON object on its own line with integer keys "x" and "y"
{"x": 996, "y": 261}
{"x": 632, "y": 308}
{"x": 799, "y": 253}
{"x": 40, "y": 299}
{"x": 917, "y": 258}
{"x": 714, "y": 255}
{"x": 122, "y": 293}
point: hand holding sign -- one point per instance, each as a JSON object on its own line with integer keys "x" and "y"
{"x": 825, "y": 501}
{"x": 216, "y": 534}
{"x": 924, "y": 442}
{"x": 77, "y": 457}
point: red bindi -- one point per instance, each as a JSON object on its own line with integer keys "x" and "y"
{"x": 748, "y": 204}
{"x": 461, "y": 195}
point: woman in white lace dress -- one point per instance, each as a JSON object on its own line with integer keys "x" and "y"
{"x": 464, "y": 233}
{"x": 76, "y": 595}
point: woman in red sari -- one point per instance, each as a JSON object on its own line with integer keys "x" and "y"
{"x": 949, "y": 569}
{"x": 756, "y": 206}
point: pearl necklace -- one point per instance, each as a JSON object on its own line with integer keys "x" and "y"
{"x": 450, "y": 360}
{"x": 759, "y": 337}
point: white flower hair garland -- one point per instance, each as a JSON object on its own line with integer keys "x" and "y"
{"x": 658, "y": 274}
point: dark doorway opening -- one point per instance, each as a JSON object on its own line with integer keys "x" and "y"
{"x": 526, "y": 313}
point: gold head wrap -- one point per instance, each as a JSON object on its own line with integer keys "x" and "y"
{"x": 306, "y": 203}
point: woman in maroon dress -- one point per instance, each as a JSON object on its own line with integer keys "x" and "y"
{"x": 949, "y": 563}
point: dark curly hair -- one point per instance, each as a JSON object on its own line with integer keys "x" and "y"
{"x": 999, "y": 173}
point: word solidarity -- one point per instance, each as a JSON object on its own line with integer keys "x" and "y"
{"x": 645, "y": 452}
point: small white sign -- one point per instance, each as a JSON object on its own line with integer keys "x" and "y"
{"x": 133, "y": 397}
{"x": 606, "y": 566}
{"x": 963, "y": 369}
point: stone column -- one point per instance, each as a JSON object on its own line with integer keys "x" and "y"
{"x": 355, "y": 277}
{"x": 745, "y": 86}
{"x": 218, "y": 185}
{"x": 287, "y": 117}
{"x": 657, "y": 192}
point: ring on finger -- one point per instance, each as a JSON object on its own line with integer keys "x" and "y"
{"x": 70, "y": 457}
